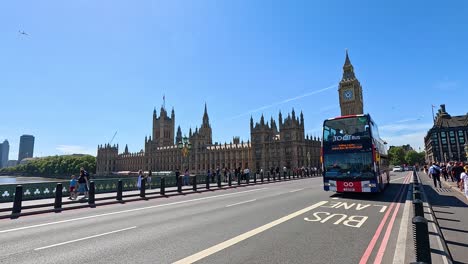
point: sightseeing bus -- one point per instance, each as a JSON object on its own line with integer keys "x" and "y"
{"x": 354, "y": 158}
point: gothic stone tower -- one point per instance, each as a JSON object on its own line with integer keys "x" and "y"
{"x": 350, "y": 91}
{"x": 163, "y": 128}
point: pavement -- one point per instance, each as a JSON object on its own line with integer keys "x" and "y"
{"x": 450, "y": 208}
{"x": 285, "y": 222}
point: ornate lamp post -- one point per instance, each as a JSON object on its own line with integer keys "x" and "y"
{"x": 308, "y": 158}
{"x": 185, "y": 146}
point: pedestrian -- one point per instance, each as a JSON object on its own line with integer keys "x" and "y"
{"x": 434, "y": 171}
{"x": 457, "y": 171}
{"x": 449, "y": 170}
{"x": 225, "y": 172}
{"x": 72, "y": 188}
{"x": 82, "y": 185}
{"x": 444, "y": 172}
{"x": 148, "y": 178}
{"x": 208, "y": 172}
{"x": 464, "y": 181}
{"x": 187, "y": 177}
{"x": 177, "y": 176}
{"x": 140, "y": 179}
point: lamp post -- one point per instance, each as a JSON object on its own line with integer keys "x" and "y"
{"x": 308, "y": 159}
{"x": 185, "y": 146}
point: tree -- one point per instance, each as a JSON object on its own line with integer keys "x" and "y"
{"x": 412, "y": 157}
{"x": 396, "y": 155}
{"x": 55, "y": 166}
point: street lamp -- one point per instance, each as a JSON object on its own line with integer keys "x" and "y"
{"x": 185, "y": 146}
{"x": 308, "y": 158}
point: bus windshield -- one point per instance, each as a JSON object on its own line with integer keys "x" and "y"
{"x": 345, "y": 129}
{"x": 345, "y": 165}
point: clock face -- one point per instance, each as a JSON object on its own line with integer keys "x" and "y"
{"x": 348, "y": 94}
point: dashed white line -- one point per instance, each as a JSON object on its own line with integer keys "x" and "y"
{"x": 293, "y": 191}
{"x": 126, "y": 211}
{"x": 84, "y": 238}
{"x": 253, "y": 200}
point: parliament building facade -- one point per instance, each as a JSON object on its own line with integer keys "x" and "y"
{"x": 282, "y": 144}
{"x": 274, "y": 143}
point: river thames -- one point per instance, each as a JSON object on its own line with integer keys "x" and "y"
{"x": 19, "y": 179}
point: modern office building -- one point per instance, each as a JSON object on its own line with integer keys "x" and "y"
{"x": 26, "y": 147}
{"x": 4, "y": 151}
{"x": 447, "y": 140}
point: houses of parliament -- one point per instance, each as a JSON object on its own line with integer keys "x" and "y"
{"x": 273, "y": 143}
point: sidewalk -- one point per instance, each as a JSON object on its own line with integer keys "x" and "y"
{"x": 450, "y": 208}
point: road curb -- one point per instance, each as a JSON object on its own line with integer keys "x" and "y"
{"x": 434, "y": 218}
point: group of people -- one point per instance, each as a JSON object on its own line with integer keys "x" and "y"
{"x": 452, "y": 171}
{"x": 80, "y": 185}
{"x": 144, "y": 179}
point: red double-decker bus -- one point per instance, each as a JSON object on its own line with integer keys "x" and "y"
{"x": 354, "y": 158}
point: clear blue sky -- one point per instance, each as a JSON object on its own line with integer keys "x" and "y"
{"x": 90, "y": 68}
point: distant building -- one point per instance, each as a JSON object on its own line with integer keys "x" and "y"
{"x": 447, "y": 139}
{"x": 26, "y": 147}
{"x": 12, "y": 163}
{"x": 4, "y": 152}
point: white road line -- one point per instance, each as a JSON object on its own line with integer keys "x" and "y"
{"x": 293, "y": 191}
{"x": 397, "y": 179}
{"x": 126, "y": 211}
{"x": 242, "y": 202}
{"x": 216, "y": 248}
{"x": 399, "y": 256}
{"x": 84, "y": 238}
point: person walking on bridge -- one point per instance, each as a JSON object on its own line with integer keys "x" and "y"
{"x": 434, "y": 172}
{"x": 464, "y": 181}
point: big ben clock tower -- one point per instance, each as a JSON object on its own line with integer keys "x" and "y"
{"x": 350, "y": 91}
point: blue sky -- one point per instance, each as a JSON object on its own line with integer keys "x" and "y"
{"x": 90, "y": 68}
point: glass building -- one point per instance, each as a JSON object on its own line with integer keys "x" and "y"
{"x": 26, "y": 147}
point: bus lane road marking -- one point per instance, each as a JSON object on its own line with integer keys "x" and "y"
{"x": 228, "y": 243}
{"x": 367, "y": 253}
{"x": 351, "y": 220}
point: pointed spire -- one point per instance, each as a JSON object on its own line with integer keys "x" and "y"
{"x": 190, "y": 132}
{"x": 280, "y": 118}
{"x": 172, "y": 113}
{"x": 302, "y": 118}
{"x": 348, "y": 70}
{"x": 251, "y": 122}
{"x": 206, "y": 119}
{"x": 293, "y": 114}
{"x": 347, "y": 61}
{"x": 262, "y": 120}
{"x": 154, "y": 113}
{"x": 126, "y": 149}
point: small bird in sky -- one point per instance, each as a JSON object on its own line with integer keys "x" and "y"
{"x": 23, "y": 33}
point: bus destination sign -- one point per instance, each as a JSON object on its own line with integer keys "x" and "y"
{"x": 351, "y": 146}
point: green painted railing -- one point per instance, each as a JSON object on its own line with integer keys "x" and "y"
{"x": 43, "y": 190}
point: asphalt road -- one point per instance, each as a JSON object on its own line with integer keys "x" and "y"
{"x": 285, "y": 222}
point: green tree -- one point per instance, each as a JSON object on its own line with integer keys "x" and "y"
{"x": 55, "y": 166}
{"x": 412, "y": 157}
{"x": 396, "y": 155}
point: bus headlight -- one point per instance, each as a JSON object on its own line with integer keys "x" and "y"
{"x": 331, "y": 184}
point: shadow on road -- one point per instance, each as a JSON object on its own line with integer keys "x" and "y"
{"x": 388, "y": 195}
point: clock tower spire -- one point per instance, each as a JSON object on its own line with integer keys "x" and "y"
{"x": 350, "y": 91}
